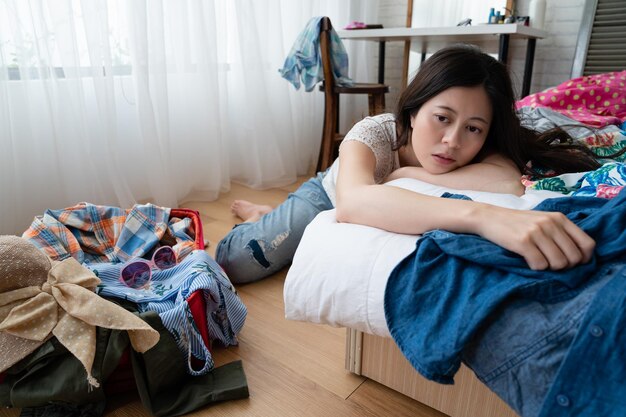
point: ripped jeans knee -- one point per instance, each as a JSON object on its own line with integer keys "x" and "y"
{"x": 258, "y": 253}
{"x": 246, "y": 258}
{"x": 259, "y": 248}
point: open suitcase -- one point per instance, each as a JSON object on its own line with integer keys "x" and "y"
{"x": 122, "y": 379}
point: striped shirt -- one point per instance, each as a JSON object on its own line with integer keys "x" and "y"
{"x": 167, "y": 294}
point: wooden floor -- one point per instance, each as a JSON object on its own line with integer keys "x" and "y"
{"x": 293, "y": 368}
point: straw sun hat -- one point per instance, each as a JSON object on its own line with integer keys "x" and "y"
{"x": 40, "y": 298}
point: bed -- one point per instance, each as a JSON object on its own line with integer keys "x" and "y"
{"x": 341, "y": 282}
{"x": 340, "y": 271}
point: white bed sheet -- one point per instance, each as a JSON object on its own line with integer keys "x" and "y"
{"x": 340, "y": 270}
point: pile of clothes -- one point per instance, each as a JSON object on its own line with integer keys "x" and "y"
{"x": 67, "y": 319}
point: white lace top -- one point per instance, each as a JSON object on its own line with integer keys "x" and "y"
{"x": 379, "y": 134}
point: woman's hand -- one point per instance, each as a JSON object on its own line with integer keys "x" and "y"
{"x": 544, "y": 239}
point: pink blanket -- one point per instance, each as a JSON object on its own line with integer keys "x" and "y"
{"x": 595, "y": 100}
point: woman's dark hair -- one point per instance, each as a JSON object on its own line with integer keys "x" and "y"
{"x": 467, "y": 66}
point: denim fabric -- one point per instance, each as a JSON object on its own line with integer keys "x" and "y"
{"x": 519, "y": 353}
{"x": 592, "y": 379}
{"x": 460, "y": 297}
{"x": 455, "y": 196}
{"x": 252, "y": 251}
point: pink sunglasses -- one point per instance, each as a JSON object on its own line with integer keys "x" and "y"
{"x": 137, "y": 273}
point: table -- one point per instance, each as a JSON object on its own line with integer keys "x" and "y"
{"x": 431, "y": 39}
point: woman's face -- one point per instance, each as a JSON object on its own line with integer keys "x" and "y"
{"x": 450, "y": 129}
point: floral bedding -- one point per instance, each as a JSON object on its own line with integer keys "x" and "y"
{"x": 596, "y": 103}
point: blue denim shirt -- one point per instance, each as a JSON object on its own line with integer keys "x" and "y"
{"x": 524, "y": 332}
{"x": 591, "y": 380}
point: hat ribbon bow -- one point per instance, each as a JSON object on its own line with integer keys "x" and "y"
{"x": 66, "y": 306}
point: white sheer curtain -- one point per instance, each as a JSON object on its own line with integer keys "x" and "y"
{"x": 115, "y": 102}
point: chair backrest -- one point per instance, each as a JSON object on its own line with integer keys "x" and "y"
{"x": 600, "y": 46}
{"x": 326, "y": 55}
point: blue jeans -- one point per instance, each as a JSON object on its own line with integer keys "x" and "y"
{"x": 251, "y": 251}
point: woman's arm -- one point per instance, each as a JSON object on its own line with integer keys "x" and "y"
{"x": 545, "y": 240}
{"x": 494, "y": 174}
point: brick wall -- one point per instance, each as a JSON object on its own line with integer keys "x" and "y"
{"x": 392, "y": 13}
{"x": 553, "y": 55}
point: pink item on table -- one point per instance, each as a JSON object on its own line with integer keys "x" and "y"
{"x": 356, "y": 25}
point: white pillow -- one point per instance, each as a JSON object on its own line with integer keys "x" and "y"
{"x": 340, "y": 270}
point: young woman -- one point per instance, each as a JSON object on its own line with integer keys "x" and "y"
{"x": 455, "y": 126}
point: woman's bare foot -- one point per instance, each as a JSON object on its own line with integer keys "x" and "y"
{"x": 247, "y": 211}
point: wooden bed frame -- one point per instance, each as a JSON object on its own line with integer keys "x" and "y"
{"x": 379, "y": 359}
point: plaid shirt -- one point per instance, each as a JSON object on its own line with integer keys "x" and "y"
{"x": 92, "y": 233}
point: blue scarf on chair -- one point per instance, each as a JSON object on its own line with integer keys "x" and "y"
{"x": 305, "y": 61}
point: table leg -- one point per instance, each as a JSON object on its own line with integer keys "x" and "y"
{"x": 381, "y": 62}
{"x": 503, "y": 52}
{"x": 528, "y": 66}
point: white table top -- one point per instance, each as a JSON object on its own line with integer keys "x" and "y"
{"x": 477, "y": 33}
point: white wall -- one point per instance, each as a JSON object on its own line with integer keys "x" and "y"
{"x": 553, "y": 55}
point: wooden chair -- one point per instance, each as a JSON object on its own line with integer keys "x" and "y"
{"x": 331, "y": 138}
